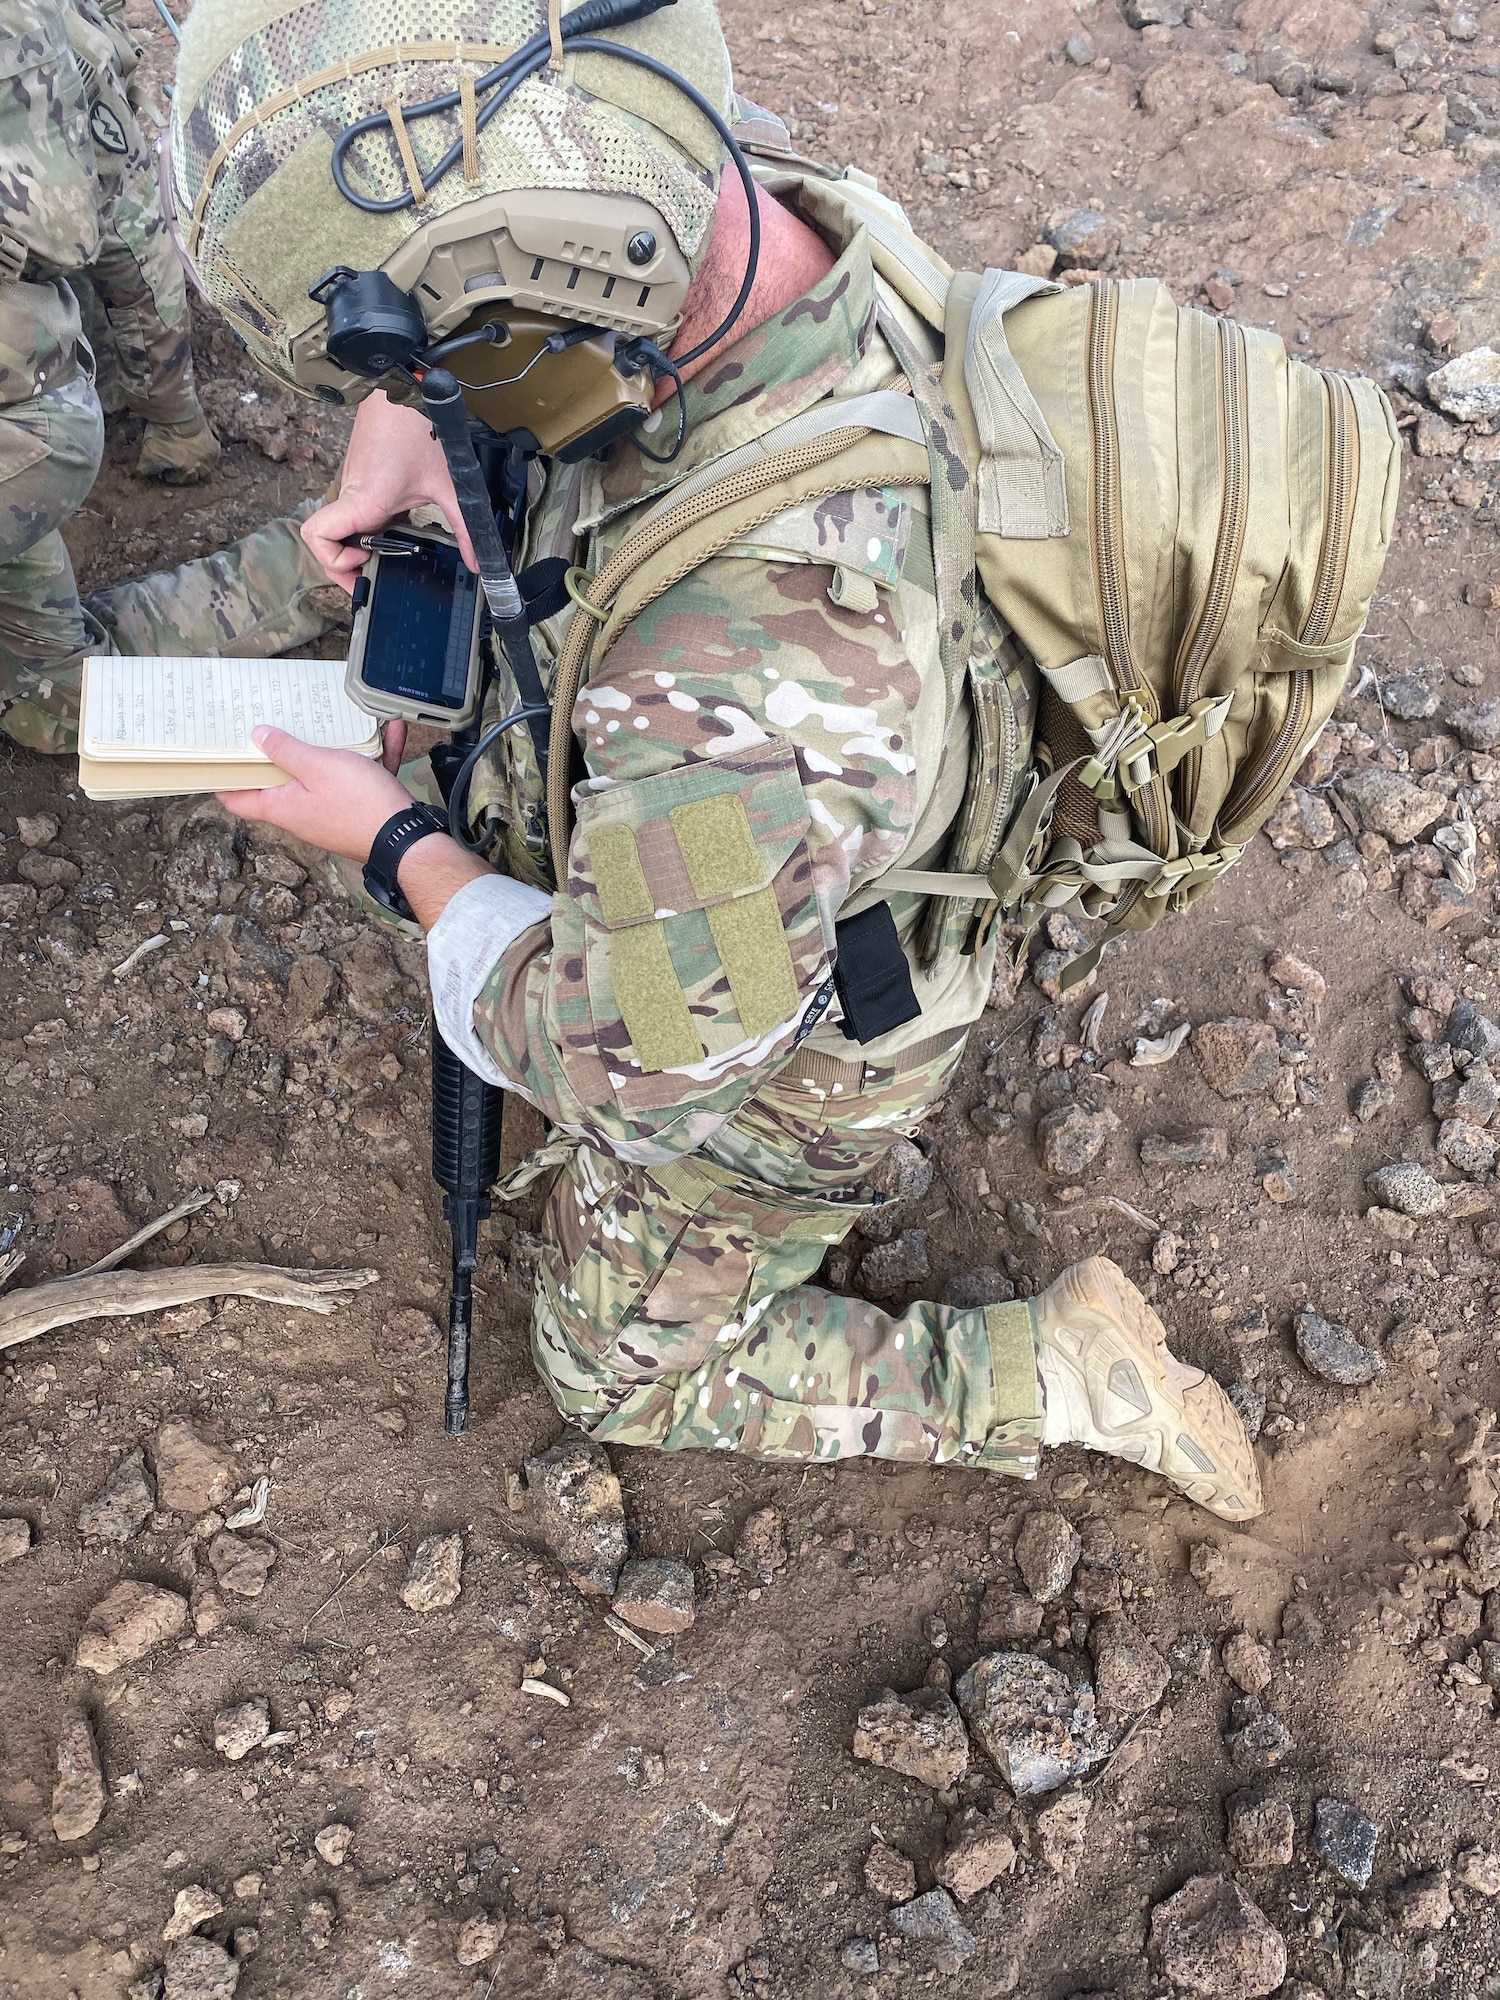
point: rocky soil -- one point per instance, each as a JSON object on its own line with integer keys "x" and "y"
{"x": 303, "y": 1698}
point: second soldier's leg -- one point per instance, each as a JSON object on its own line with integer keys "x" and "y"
{"x": 674, "y": 1306}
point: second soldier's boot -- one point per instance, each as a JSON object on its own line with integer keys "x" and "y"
{"x": 1110, "y": 1383}
{"x": 178, "y": 454}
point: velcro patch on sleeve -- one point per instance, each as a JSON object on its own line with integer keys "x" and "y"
{"x": 756, "y": 958}
{"x": 624, "y": 893}
{"x": 651, "y": 1000}
{"x": 718, "y": 846}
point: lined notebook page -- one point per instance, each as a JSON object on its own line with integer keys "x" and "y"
{"x": 167, "y": 707}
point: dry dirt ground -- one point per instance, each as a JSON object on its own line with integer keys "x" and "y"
{"x": 694, "y": 1824}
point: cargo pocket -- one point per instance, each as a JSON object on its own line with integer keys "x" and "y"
{"x": 702, "y": 937}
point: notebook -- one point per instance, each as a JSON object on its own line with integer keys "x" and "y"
{"x": 155, "y": 726}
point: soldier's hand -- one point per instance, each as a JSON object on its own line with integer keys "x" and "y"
{"x": 336, "y": 799}
{"x": 393, "y": 464}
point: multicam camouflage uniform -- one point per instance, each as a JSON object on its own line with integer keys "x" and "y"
{"x": 778, "y": 716}
{"x": 253, "y": 597}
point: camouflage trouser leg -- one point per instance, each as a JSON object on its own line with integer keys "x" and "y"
{"x": 674, "y": 1308}
{"x": 251, "y": 600}
{"x": 136, "y": 273}
{"x": 108, "y": 385}
{"x": 50, "y": 449}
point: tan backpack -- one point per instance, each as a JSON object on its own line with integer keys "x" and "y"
{"x": 1181, "y": 523}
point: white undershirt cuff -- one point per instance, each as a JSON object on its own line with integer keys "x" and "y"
{"x": 478, "y": 925}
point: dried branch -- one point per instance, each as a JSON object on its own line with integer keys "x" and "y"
{"x": 118, "y": 1294}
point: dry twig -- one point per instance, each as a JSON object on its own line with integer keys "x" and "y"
{"x": 190, "y": 1206}
{"x": 118, "y": 1294}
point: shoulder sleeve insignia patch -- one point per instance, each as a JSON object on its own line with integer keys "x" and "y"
{"x": 106, "y": 130}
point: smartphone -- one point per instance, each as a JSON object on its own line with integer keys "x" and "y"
{"x": 414, "y": 648}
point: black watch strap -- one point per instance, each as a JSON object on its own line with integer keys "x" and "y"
{"x": 401, "y": 830}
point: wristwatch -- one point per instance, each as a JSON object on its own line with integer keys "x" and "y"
{"x": 401, "y": 830}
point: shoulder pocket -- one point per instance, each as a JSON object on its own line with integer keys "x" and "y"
{"x": 702, "y": 935}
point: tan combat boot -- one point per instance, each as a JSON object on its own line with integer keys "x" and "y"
{"x": 179, "y": 454}
{"x": 1111, "y": 1385}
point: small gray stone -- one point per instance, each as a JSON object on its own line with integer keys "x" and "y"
{"x": 1259, "y": 1740}
{"x": 860, "y": 1954}
{"x": 1155, "y": 13}
{"x": 1408, "y": 697}
{"x": 1207, "y": 1146}
{"x": 434, "y": 1579}
{"x": 1083, "y": 239}
{"x": 986, "y": 1285}
{"x": 920, "y": 1734}
{"x": 121, "y": 1508}
{"x": 1345, "y": 1838}
{"x": 1250, "y": 1406}
{"x": 79, "y": 1796}
{"x": 1238, "y": 1058}
{"x": 1370, "y": 1098}
{"x": 1259, "y": 1831}
{"x": 933, "y": 1919}
{"x": 1332, "y": 1351}
{"x": 1468, "y": 386}
{"x": 1212, "y": 1939}
{"x": 1477, "y": 728}
{"x": 1079, "y": 50}
{"x": 889, "y": 1267}
{"x": 1407, "y": 1188}
{"x": 580, "y": 1512}
{"x": 1071, "y": 1139}
{"x": 656, "y": 1594}
{"x": 1471, "y": 1032}
{"x": 1390, "y": 804}
{"x": 1035, "y": 1726}
{"x": 1047, "y": 1552}
{"x": 1474, "y": 1096}
{"x": 1468, "y": 1147}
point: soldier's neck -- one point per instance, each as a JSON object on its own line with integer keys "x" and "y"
{"x": 793, "y": 257}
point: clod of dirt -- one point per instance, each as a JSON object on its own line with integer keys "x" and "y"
{"x": 1332, "y": 1351}
{"x": 1478, "y": 1869}
{"x": 1006, "y": 1613}
{"x": 1209, "y": 1567}
{"x": 480, "y": 1938}
{"x": 887, "y": 1267}
{"x": 79, "y": 1796}
{"x": 979, "y": 1853}
{"x": 1373, "y": 1965}
{"x": 920, "y": 1734}
{"x": 434, "y": 1578}
{"x": 1206, "y": 1146}
{"x": 1035, "y": 1726}
{"x": 656, "y": 1593}
{"x": 580, "y": 1512}
{"x": 318, "y": 1920}
{"x": 15, "y": 1537}
{"x": 332, "y": 1842}
{"x": 1071, "y": 1139}
{"x": 1389, "y": 804}
{"x": 762, "y": 1544}
{"x": 209, "y": 1610}
{"x": 193, "y": 1906}
{"x": 1259, "y": 1832}
{"x": 256, "y": 970}
{"x": 1047, "y": 1552}
{"x": 121, "y": 1508}
{"x": 889, "y": 1874}
{"x": 1096, "y": 1588}
{"x": 241, "y": 1726}
{"x": 1482, "y": 1554}
{"x": 1238, "y": 1058}
{"x": 1407, "y": 1188}
{"x": 1247, "y": 1663}
{"x": 1212, "y": 1939}
{"x": 244, "y": 1942}
{"x": 1421, "y": 1902}
{"x": 37, "y": 829}
{"x": 192, "y": 1476}
{"x": 199, "y": 1969}
{"x": 1060, "y": 1829}
{"x": 1346, "y": 1839}
{"x": 241, "y": 1562}
{"x": 1477, "y": 728}
{"x": 129, "y": 1623}
{"x": 1468, "y": 386}
{"x": 1259, "y": 1739}
{"x": 1129, "y": 1674}
{"x": 932, "y": 1919}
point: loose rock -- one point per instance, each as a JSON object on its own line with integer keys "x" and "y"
{"x": 1130, "y": 1675}
{"x": 1247, "y": 1663}
{"x": 580, "y": 1512}
{"x": 1260, "y": 1831}
{"x": 932, "y": 1919}
{"x": 656, "y": 1594}
{"x": 1478, "y": 1869}
{"x": 199, "y": 1969}
{"x": 1082, "y": 237}
{"x": 241, "y": 1562}
{"x": 1332, "y": 1351}
{"x": 1071, "y": 1139}
{"x": 79, "y": 1796}
{"x": 1303, "y": 819}
{"x": 1421, "y": 1902}
{"x": 332, "y": 1842}
{"x": 920, "y": 1735}
{"x": 193, "y": 1906}
{"x": 1346, "y": 1839}
{"x": 1392, "y": 805}
{"x": 1209, "y": 1567}
{"x": 1238, "y": 1058}
{"x": 860, "y": 1955}
{"x": 480, "y": 1938}
{"x": 979, "y": 1856}
{"x": 1006, "y": 1613}
{"x": 1259, "y": 1739}
{"x": 1047, "y": 1551}
{"x": 889, "y": 1874}
{"x": 1407, "y": 1188}
{"x": 241, "y": 1726}
{"x": 434, "y": 1577}
{"x": 1208, "y": 1146}
{"x": 1467, "y": 1147}
{"x": 1060, "y": 1830}
{"x": 1468, "y": 387}
{"x": 761, "y": 1547}
{"x": 1212, "y": 1939}
{"x": 192, "y": 1476}
{"x": 1471, "y": 1032}
{"x": 1035, "y": 1726}
{"x": 887, "y": 1267}
{"x": 128, "y": 1624}
{"x": 318, "y": 1920}
{"x": 121, "y": 1509}
{"x": 15, "y": 1538}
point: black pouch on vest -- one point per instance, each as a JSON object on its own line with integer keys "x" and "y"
{"x": 871, "y": 976}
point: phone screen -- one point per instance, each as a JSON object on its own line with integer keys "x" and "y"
{"x": 420, "y": 632}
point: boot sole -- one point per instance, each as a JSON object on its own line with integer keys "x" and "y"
{"x": 1192, "y": 1434}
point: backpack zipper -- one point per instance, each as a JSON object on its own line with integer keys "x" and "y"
{"x": 1234, "y": 512}
{"x": 1340, "y": 493}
